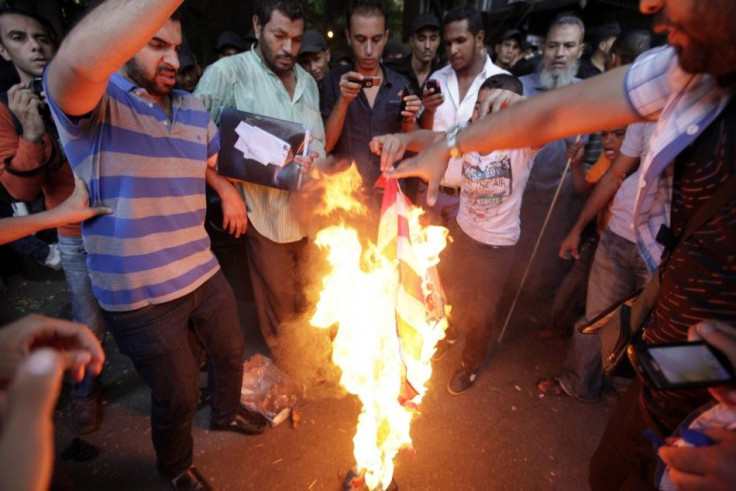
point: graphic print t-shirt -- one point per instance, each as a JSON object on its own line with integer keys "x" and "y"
{"x": 490, "y": 199}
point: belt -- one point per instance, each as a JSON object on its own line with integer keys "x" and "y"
{"x": 450, "y": 191}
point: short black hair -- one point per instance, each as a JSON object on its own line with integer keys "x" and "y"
{"x": 503, "y": 81}
{"x": 465, "y": 12}
{"x": 50, "y": 31}
{"x": 367, "y": 8}
{"x": 630, "y": 44}
{"x": 293, "y": 9}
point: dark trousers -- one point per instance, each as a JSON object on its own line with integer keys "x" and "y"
{"x": 274, "y": 274}
{"x": 477, "y": 274}
{"x": 155, "y": 339}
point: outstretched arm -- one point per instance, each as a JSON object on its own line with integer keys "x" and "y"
{"x": 98, "y": 46}
{"x": 74, "y": 209}
{"x": 592, "y": 105}
{"x": 391, "y": 147}
{"x": 602, "y": 193}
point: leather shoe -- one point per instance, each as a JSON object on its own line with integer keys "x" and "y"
{"x": 243, "y": 421}
{"x": 191, "y": 480}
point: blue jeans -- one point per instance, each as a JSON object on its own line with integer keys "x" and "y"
{"x": 155, "y": 339}
{"x": 85, "y": 308}
{"x": 618, "y": 271}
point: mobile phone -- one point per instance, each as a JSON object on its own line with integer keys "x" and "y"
{"x": 681, "y": 365}
{"x": 366, "y": 82}
{"x": 433, "y": 84}
{"x": 404, "y": 92}
{"x": 36, "y": 86}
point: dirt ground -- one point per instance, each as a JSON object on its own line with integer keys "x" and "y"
{"x": 501, "y": 434}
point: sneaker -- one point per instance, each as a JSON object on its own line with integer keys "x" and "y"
{"x": 87, "y": 415}
{"x": 463, "y": 379}
{"x": 53, "y": 260}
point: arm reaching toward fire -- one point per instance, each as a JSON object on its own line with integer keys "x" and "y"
{"x": 391, "y": 147}
{"x": 531, "y": 123}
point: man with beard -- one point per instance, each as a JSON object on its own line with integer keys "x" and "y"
{"x": 688, "y": 89}
{"x": 562, "y": 49}
{"x": 145, "y": 150}
{"x": 268, "y": 81}
{"x": 459, "y": 83}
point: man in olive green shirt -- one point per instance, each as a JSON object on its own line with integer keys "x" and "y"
{"x": 268, "y": 81}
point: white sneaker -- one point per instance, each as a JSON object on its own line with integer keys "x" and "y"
{"x": 53, "y": 260}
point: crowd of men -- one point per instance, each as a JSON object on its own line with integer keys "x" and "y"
{"x": 125, "y": 107}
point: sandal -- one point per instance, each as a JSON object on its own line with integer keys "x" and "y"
{"x": 550, "y": 386}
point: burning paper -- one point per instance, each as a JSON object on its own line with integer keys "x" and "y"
{"x": 388, "y": 303}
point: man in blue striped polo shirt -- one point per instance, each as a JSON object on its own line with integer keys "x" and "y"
{"x": 146, "y": 150}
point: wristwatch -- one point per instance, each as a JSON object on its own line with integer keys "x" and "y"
{"x": 451, "y": 142}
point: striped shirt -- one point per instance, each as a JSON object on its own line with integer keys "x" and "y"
{"x": 685, "y": 104}
{"x": 150, "y": 170}
{"x": 245, "y": 83}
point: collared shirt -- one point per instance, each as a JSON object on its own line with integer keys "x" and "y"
{"x": 685, "y": 105}
{"x": 363, "y": 122}
{"x": 455, "y": 111}
{"x": 635, "y": 144}
{"x": 150, "y": 170}
{"x": 245, "y": 83}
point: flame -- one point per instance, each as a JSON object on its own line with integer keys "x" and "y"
{"x": 389, "y": 307}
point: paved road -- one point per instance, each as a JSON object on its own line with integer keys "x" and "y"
{"x": 499, "y": 435}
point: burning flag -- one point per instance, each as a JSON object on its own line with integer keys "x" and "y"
{"x": 388, "y": 303}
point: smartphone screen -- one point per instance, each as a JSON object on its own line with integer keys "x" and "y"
{"x": 683, "y": 365}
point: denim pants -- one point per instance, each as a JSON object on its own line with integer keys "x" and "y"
{"x": 618, "y": 271}
{"x": 85, "y": 308}
{"x": 155, "y": 339}
{"x": 476, "y": 275}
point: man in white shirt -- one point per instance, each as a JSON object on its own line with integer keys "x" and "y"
{"x": 459, "y": 83}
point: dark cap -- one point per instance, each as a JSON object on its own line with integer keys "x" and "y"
{"x": 313, "y": 42}
{"x": 229, "y": 38}
{"x": 604, "y": 32}
{"x": 337, "y": 56}
{"x": 394, "y": 47}
{"x": 427, "y": 19}
{"x": 513, "y": 34}
{"x": 186, "y": 58}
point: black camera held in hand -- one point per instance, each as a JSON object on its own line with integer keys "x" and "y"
{"x": 36, "y": 86}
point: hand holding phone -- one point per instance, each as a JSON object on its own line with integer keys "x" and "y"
{"x": 366, "y": 82}
{"x": 404, "y": 92}
{"x": 681, "y": 365}
{"x": 433, "y": 84}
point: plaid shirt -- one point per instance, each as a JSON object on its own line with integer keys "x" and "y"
{"x": 684, "y": 105}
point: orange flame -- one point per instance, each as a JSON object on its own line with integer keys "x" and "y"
{"x": 387, "y": 331}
